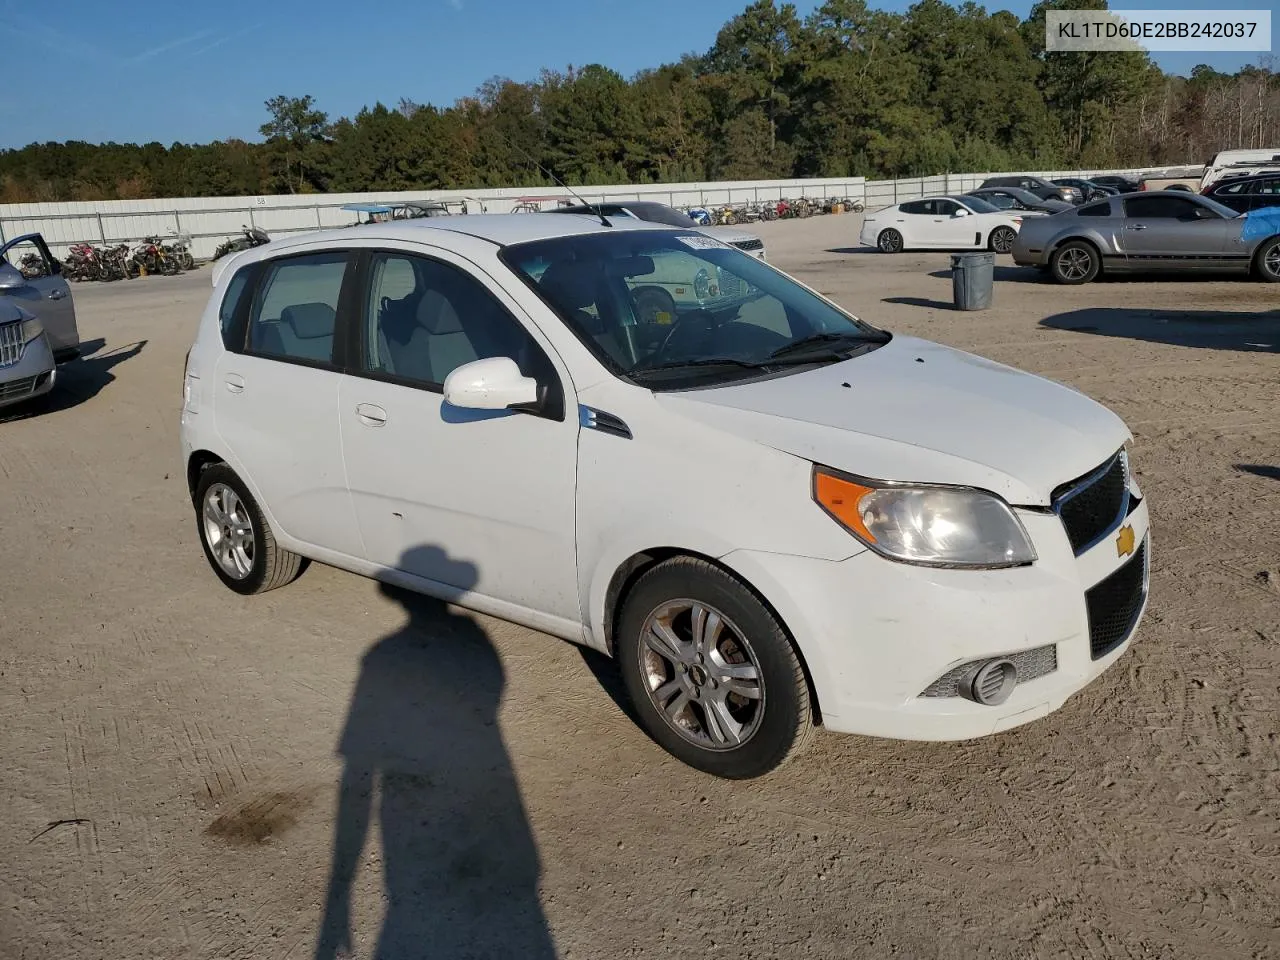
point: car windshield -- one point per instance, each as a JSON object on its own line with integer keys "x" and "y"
{"x": 976, "y": 204}
{"x": 677, "y": 309}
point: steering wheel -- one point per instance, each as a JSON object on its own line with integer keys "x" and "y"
{"x": 697, "y": 323}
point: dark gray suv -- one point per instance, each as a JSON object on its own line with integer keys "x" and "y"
{"x": 1041, "y": 187}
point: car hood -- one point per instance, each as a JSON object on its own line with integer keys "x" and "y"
{"x": 916, "y": 411}
{"x": 728, "y": 234}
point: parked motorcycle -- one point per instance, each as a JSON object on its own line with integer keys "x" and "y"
{"x": 700, "y": 215}
{"x": 250, "y": 237}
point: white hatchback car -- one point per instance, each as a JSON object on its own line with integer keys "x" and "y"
{"x": 941, "y": 223}
{"x": 772, "y": 513}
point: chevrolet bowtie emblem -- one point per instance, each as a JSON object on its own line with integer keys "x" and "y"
{"x": 1124, "y": 541}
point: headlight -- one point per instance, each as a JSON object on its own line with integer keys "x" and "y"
{"x": 31, "y": 329}
{"x": 702, "y": 284}
{"x": 930, "y": 526}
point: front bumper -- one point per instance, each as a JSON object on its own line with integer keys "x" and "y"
{"x": 876, "y": 634}
{"x": 32, "y": 376}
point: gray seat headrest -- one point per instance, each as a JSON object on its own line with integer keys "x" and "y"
{"x": 309, "y": 320}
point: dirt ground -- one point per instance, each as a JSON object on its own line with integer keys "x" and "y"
{"x": 170, "y": 767}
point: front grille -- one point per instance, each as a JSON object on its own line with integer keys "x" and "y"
{"x": 11, "y": 343}
{"x": 1030, "y": 664}
{"x": 1114, "y": 604}
{"x": 1093, "y": 505}
{"x": 14, "y": 389}
{"x": 752, "y": 244}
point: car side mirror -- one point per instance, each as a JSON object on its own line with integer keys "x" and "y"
{"x": 961, "y": 213}
{"x": 494, "y": 383}
{"x": 11, "y": 277}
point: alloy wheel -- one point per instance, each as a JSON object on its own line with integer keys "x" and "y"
{"x": 701, "y": 674}
{"x": 228, "y": 531}
{"x": 1074, "y": 264}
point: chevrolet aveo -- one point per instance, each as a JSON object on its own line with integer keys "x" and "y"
{"x": 773, "y": 514}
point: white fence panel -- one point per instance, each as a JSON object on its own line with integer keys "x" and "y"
{"x": 210, "y": 220}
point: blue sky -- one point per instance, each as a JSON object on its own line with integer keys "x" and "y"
{"x": 194, "y": 72}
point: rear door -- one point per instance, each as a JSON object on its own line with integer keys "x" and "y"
{"x": 46, "y": 294}
{"x": 276, "y": 398}
{"x": 1266, "y": 193}
{"x": 1162, "y": 232}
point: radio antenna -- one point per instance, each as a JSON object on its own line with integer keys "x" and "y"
{"x": 599, "y": 210}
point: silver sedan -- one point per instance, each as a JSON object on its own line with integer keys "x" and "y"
{"x": 1147, "y": 232}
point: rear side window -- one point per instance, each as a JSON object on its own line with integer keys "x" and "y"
{"x": 230, "y": 308}
{"x": 1237, "y": 189}
{"x": 296, "y": 308}
{"x": 1268, "y": 188}
{"x": 915, "y": 206}
{"x": 1095, "y": 210}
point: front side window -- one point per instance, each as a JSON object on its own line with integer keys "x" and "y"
{"x": 295, "y": 310}
{"x": 29, "y": 258}
{"x": 425, "y": 318}
{"x": 1161, "y": 208}
{"x": 676, "y": 309}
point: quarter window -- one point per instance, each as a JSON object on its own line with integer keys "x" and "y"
{"x": 296, "y": 308}
{"x": 230, "y": 307}
{"x": 424, "y": 319}
{"x": 1095, "y": 210}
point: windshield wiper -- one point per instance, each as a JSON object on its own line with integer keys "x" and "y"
{"x": 807, "y": 344}
{"x": 698, "y": 362}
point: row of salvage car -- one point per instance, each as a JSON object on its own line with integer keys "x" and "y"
{"x": 1163, "y": 231}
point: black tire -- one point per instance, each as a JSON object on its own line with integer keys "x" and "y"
{"x": 272, "y": 566}
{"x": 775, "y": 726}
{"x": 889, "y": 241}
{"x": 1074, "y": 263}
{"x": 1266, "y": 262}
{"x": 1001, "y": 239}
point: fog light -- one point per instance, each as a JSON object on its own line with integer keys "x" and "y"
{"x": 993, "y": 683}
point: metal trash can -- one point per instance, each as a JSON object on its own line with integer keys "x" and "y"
{"x": 972, "y": 279}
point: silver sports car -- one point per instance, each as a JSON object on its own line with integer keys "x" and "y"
{"x": 1160, "y": 230}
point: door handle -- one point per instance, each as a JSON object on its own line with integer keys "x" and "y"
{"x": 235, "y": 383}
{"x": 1136, "y": 226}
{"x": 57, "y": 295}
{"x": 371, "y": 415}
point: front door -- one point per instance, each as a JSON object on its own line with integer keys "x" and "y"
{"x": 953, "y": 231}
{"x": 1161, "y": 231}
{"x": 276, "y": 404}
{"x": 480, "y": 501}
{"x": 46, "y": 293}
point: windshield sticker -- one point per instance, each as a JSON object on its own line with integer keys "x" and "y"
{"x": 702, "y": 243}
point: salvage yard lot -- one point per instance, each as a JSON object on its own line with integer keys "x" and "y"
{"x": 169, "y": 755}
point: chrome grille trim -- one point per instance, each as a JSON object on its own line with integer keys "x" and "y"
{"x": 11, "y": 343}
{"x": 1064, "y": 494}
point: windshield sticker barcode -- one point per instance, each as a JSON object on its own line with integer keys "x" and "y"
{"x": 701, "y": 243}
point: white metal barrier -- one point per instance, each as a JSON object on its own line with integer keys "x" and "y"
{"x": 211, "y": 220}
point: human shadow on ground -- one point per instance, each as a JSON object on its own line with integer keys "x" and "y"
{"x": 77, "y": 380}
{"x": 1251, "y": 332}
{"x": 1259, "y": 470}
{"x": 423, "y": 752}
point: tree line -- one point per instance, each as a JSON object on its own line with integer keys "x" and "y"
{"x": 847, "y": 91}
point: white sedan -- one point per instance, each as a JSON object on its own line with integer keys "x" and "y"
{"x": 940, "y": 223}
